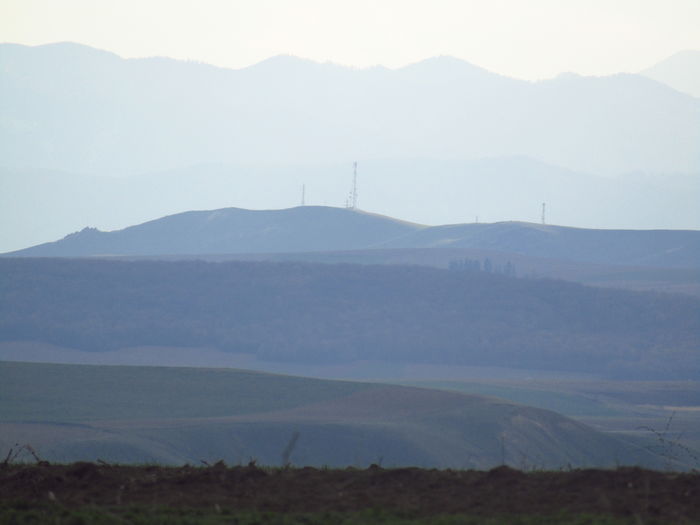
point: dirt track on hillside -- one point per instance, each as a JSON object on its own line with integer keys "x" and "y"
{"x": 632, "y": 492}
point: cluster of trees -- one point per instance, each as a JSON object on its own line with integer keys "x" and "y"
{"x": 304, "y": 312}
{"x": 475, "y": 265}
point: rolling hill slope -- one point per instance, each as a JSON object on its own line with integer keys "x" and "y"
{"x": 186, "y": 415}
{"x": 233, "y": 230}
{"x": 672, "y": 248}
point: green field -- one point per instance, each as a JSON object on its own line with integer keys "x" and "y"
{"x": 75, "y": 393}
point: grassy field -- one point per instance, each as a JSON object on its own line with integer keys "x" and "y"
{"x": 74, "y": 393}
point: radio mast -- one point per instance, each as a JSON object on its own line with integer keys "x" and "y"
{"x": 543, "y": 204}
{"x": 354, "y": 185}
{"x": 351, "y": 202}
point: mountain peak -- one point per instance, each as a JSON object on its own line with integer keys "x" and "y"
{"x": 288, "y": 64}
{"x": 443, "y": 63}
{"x": 681, "y": 71}
{"x": 64, "y": 48}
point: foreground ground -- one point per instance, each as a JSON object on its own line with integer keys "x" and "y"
{"x": 102, "y": 493}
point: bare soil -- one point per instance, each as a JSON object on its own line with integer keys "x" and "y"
{"x": 637, "y": 494}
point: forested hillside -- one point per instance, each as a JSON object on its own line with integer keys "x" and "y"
{"x": 310, "y": 313}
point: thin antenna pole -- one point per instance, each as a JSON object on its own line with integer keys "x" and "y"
{"x": 354, "y": 185}
{"x": 543, "y": 205}
{"x": 303, "y": 194}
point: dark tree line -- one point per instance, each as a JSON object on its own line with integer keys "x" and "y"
{"x": 475, "y": 265}
{"x": 337, "y": 313}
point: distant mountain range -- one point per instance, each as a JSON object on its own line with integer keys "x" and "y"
{"x": 681, "y": 71}
{"x": 322, "y": 229}
{"x": 89, "y": 138}
{"x": 70, "y": 107}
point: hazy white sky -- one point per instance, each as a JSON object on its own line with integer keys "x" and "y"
{"x": 522, "y": 38}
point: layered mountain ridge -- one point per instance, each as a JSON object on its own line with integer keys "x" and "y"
{"x": 141, "y": 115}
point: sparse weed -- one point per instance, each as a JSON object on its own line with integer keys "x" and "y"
{"x": 670, "y": 447}
{"x": 18, "y": 451}
{"x": 287, "y": 452}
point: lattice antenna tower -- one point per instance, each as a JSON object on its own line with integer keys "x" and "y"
{"x": 303, "y": 194}
{"x": 543, "y": 206}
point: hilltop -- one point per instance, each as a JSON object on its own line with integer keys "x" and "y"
{"x": 325, "y": 229}
{"x": 233, "y": 230}
{"x": 428, "y": 191}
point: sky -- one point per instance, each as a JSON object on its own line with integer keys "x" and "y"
{"x": 529, "y": 39}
